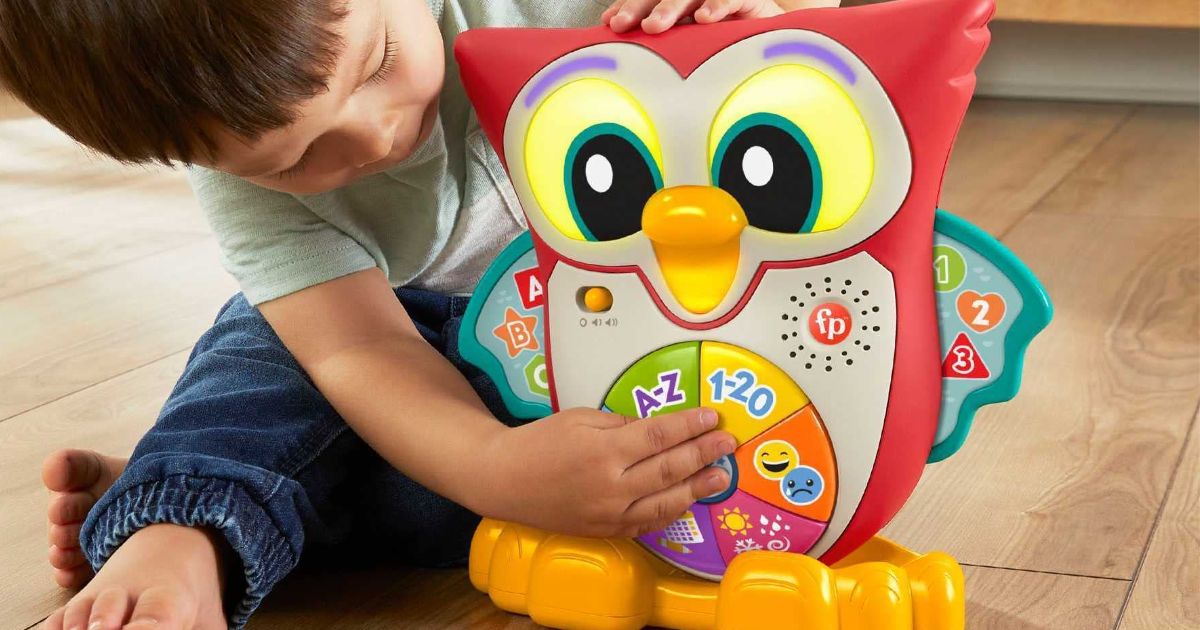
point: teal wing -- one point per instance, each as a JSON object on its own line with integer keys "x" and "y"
{"x": 990, "y": 306}
{"x": 503, "y": 330}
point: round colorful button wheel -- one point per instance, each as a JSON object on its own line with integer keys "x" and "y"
{"x": 783, "y": 480}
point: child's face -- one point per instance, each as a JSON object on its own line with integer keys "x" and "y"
{"x": 380, "y": 106}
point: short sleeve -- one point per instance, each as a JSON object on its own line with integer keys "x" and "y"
{"x": 271, "y": 243}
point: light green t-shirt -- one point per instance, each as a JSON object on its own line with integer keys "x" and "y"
{"x": 434, "y": 221}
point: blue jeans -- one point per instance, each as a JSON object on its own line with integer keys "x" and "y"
{"x": 248, "y": 447}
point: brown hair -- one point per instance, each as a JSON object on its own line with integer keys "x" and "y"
{"x": 141, "y": 80}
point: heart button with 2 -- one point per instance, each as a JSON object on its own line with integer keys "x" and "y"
{"x": 981, "y": 311}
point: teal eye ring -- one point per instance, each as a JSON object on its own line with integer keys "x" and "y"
{"x": 770, "y": 166}
{"x": 609, "y": 175}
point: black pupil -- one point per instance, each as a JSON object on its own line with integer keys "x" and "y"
{"x": 768, "y": 171}
{"x": 611, "y": 207}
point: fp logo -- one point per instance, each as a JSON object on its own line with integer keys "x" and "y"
{"x": 829, "y": 323}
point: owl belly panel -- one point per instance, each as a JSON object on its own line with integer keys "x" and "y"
{"x": 800, "y": 375}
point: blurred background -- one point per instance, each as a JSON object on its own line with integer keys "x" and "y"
{"x": 1075, "y": 506}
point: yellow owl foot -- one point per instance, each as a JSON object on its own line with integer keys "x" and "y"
{"x": 612, "y": 584}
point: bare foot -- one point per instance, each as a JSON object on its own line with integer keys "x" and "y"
{"x": 76, "y": 479}
{"x": 165, "y": 577}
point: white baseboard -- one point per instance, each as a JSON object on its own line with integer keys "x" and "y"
{"x": 1101, "y": 63}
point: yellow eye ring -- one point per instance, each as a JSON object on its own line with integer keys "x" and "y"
{"x": 810, "y": 118}
{"x": 592, "y": 159}
{"x": 629, "y": 224}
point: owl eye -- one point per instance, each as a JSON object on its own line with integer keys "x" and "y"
{"x": 592, "y": 159}
{"x": 768, "y": 164}
{"x": 609, "y": 177}
{"x": 792, "y": 147}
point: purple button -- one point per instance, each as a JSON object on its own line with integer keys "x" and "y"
{"x": 689, "y": 542}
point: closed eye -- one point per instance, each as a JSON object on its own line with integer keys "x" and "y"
{"x": 388, "y": 63}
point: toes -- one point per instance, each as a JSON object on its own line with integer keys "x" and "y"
{"x": 54, "y": 621}
{"x": 66, "y": 557}
{"x": 108, "y": 612}
{"x": 64, "y": 535}
{"x": 74, "y": 577}
{"x": 161, "y": 609}
{"x": 71, "y": 469}
{"x": 77, "y": 612}
{"x": 69, "y": 507}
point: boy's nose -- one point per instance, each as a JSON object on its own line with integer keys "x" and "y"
{"x": 374, "y": 141}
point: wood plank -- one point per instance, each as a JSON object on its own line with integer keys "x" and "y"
{"x": 63, "y": 338}
{"x": 109, "y": 417}
{"x": 53, "y": 230}
{"x": 1149, "y": 167}
{"x": 1068, "y": 477}
{"x": 40, "y": 168}
{"x": 1166, "y": 594}
{"x": 1003, "y": 599}
{"x": 1165, "y": 13}
{"x": 64, "y": 241}
{"x": 1009, "y": 154}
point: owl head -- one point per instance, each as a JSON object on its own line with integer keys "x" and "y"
{"x": 700, "y": 157}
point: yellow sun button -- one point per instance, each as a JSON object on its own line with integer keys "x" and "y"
{"x": 749, "y": 393}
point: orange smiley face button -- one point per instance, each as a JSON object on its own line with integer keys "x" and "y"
{"x": 981, "y": 311}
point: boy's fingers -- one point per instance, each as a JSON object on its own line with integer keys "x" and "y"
{"x": 646, "y": 438}
{"x": 658, "y": 510}
{"x": 667, "y": 14}
{"x": 717, "y": 10}
{"x": 611, "y": 11}
{"x": 631, "y": 13}
{"x": 678, "y": 463}
{"x": 712, "y": 11}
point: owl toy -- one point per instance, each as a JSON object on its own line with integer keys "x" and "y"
{"x": 744, "y": 216}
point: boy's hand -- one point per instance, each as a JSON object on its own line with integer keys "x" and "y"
{"x": 656, "y": 16}
{"x": 592, "y": 473}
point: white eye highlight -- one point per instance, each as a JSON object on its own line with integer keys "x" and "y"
{"x": 757, "y": 166}
{"x": 599, "y": 173}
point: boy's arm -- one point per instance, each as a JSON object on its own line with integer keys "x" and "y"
{"x": 580, "y": 471}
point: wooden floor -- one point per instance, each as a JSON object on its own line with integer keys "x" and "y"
{"x": 1076, "y": 506}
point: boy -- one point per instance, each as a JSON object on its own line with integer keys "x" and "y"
{"x": 336, "y": 158}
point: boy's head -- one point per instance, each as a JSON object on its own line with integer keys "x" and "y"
{"x": 296, "y": 95}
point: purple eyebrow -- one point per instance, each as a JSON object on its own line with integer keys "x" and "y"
{"x": 562, "y": 70}
{"x": 812, "y": 50}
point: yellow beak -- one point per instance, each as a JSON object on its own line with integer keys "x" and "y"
{"x": 696, "y": 232}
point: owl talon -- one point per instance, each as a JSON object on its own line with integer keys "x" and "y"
{"x": 613, "y": 584}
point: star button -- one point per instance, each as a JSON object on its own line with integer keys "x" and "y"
{"x": 517, "y": 332}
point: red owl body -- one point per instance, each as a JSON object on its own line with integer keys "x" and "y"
{"x": 902, "y": 71}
